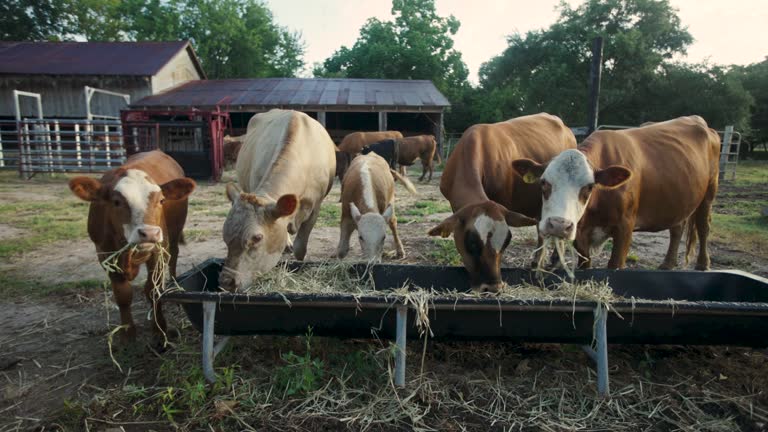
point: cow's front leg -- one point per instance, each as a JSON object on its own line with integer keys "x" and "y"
{"x": 399, "y": 249}
{"x": 670, "y": 261}
{"x": 622, "y": 240}
{"x": 347, "y": 228}
{"x": 121, "y": 289}
{"x": 302, "y": 236}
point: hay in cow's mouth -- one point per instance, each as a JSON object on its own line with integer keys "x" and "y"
{"x": 564, "y": 249}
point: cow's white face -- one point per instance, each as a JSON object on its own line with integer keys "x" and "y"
{"x": 142, "y": 198}
{"x": 566, "y": 186}
{"x": 256, "y": 233}
{"x": 567, "y": 183}
{"x": 372, "y": 230}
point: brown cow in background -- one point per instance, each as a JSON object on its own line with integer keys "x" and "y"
{"x": 143, "y": 203}
{"x": 354, "y": 142}
{"x": 231, "y": 149}
{"x": 418, "y": 147}
{"x": 488, "y": 196}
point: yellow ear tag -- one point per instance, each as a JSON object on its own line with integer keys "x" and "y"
{"x": 529, "y": 177}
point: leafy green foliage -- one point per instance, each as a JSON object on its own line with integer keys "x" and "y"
{"x": 300, "y": 374}
{"x": 418, "y": 44}
{"x": 233, "y": 38}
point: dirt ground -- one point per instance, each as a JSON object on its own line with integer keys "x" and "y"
{"x": 53, "y": 348}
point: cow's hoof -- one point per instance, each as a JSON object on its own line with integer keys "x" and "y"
{"x": 667, "y": 266}
{"x": 702, "y": 267}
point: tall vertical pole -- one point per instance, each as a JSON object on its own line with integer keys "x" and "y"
{"x": 595, "y": 73}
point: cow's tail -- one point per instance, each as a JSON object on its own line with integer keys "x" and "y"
{"x": 437, "y": 153}
{"x": 691, "y": 237}
{"x": 404, "y": 180}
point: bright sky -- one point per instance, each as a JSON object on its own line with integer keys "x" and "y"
{"x": 725, "y": 32}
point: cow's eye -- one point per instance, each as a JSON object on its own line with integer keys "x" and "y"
{"x": 162, "y": 200}
{"x": 116, "y": 203}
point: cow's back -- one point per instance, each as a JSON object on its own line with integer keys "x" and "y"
{"x": 480, "y": 167}
{"x": 286, "y": 152}
{"x": 673, "y": 163}
{"x": 353, "y": 143}
{"x": 375, "y": 170}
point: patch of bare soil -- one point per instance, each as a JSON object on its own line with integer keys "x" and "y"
{"x": 8, "y": 232}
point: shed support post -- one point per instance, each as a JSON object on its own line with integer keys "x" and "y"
{"x": 439, "y": 134}
{"x": 601, "y": 337}
{"x": 209, "y": 350}
{"x": 321, "y": 118}
{"x": 382, "y": 121}
{"x": 400, "y": 338}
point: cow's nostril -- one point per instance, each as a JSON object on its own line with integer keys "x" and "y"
{"x": 142, "y": 234}
{"x": 257, "y": 238}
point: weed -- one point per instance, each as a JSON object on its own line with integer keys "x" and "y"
{"x": 300, "y": 374}
{"x": 426, "y": 208}
{"x": 330, "y": 214}
{"x": 444, "y": 252}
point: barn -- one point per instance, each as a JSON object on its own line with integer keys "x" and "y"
{"x": 60, "y": 71}
{"x": 60, "y": 101}
{"x": 185, "y": 118}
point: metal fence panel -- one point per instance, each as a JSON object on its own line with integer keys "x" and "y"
{"x": 34, "y": 146}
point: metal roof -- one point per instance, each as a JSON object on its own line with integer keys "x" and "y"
{"x": 302, "y": 93}
{"x": 91, "y": 58}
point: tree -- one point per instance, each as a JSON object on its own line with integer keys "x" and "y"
{"x": 550, "y": 67}
{"x": 234, "y": 38}
{"x": 418, "y": 44}
{"x": 35, "y": 20}
{"x": 754, "y": 78}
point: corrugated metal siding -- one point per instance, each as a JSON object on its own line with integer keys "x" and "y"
{"x": 63, "y": 97}
{"x": 300, "y": 92}
{"x": 88, "y": 58}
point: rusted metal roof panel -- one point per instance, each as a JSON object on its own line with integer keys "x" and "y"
{"x": 90, "y": 58}
{"x": 299, "y": 92}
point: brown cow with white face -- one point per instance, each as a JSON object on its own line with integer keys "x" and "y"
{"x": 368, "y": 206}
{"x": 285, "y": 169}
{"x": 486, "y": 194}
{"x": 142, "y": 203}
{"x": 662, "y": 176}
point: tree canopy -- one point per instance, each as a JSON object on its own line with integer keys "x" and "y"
{"x": 418, "y": 44}
{"x": 234, "y": 38}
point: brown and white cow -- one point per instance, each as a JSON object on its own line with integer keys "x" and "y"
{"x": 353, "y": 143}
{"x": 418, "y": 147}
{"x": 143, "y": 203}
{"x": 285, "y": 168}
{"x": 368, "y": 206}
{"x": 486, "y": 194}
{"x": 658, "y": 177}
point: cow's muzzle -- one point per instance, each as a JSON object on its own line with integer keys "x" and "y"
{"x": 558, "y": 227}
{"x": 147, "y": 234}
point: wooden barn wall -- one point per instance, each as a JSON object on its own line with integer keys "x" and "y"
{"x": 178, "y": 71}
{"x": 63, "y": 96}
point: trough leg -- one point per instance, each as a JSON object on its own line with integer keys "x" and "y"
{"x": 601, "y": 315}
{"x": 402, "y": 319}
{"x": 209, "y": 316}
{"x": 600, "y": 357}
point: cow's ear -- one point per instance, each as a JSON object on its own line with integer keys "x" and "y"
{"x": 613, "y": 176}
{"x": 86, "y": 188}
{"x": 445, "y": 228}
{"x": 232, "y": 192}
{"x": 178, "y": 189}
{"x": 388, "y": 212}
{"x": 356, "y": 215}
{"x": 528, "y": 169}
{"x": 518, "y": 220}
{"x": 285, "y": 206}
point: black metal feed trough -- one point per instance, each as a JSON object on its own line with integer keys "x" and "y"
{"x": 677, "y": 307}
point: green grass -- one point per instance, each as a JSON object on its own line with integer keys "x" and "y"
{"x": 750, "y": 173}
{"x": 744, "y": 227}
{"x": 45, "y": 222}
{"x": 330, "y": 215}
{"x": 426, "y": 208}
{"x": 13, "y": 285}
{"x": 443, "y": 252}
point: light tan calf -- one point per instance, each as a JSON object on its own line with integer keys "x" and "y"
{"x": 368, "y": 199}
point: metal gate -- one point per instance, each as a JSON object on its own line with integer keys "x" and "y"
{"x": 61, "y": 145}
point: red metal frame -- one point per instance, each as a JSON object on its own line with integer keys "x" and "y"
{"x": 217, "y": 122}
